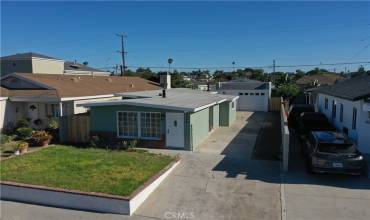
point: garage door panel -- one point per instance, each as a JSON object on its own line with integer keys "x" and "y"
{"x": 251, "y": 103}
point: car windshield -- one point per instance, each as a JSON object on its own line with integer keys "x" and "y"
{"x": 336, "y": 148}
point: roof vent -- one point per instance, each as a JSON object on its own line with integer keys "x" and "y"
{"x": 76, "y": 79}
{"x": 109, "y": 79}
{"x": 131, "y": 85}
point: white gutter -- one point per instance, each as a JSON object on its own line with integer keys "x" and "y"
{"x": 126, "y": 102}
{"x": 33, "y": 99}
{"x": 86, "y": 97}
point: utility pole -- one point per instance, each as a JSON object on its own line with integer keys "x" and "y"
{"x": 273, "y": 66}
{"x": 122, "y": 52}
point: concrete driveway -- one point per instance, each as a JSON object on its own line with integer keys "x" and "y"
{"x": 331, "y": 197}
{"x": 218, "y": 181}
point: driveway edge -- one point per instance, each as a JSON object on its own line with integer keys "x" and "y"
{"x": 282, "y": 194}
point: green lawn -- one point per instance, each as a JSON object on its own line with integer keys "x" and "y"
{"x": 89, "y": 170}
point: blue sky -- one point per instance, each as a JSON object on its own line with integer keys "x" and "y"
{"x": 194, "y": 34}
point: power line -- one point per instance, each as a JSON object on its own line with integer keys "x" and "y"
{"x": 252, "y": 67}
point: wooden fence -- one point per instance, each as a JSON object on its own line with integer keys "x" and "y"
{"x": 74, "y": 129}
{"x": 275, "y": 104}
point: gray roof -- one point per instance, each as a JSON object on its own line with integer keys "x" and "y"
{"x": 351, "y": 89}
{"x": 72, "y": 66}
{"x": 176, "y": 99}
{"x": 27, "y": 56}
{"x": 248, "y": 85}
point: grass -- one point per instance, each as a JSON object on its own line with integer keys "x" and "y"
{"x": 88, "y": 170}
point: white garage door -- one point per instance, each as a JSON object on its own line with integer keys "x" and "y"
{"x": 252, "y": 103}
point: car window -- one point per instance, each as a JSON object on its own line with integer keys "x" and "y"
{"x": 336, "y": 148}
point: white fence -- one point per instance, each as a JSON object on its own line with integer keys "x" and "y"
{"x": 284, "y": 137}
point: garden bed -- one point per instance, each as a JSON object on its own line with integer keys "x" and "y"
{"x": 128, "y": 177}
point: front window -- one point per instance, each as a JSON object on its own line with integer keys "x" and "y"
{"x": 341, "y": 113}
{"x": 127, "y": 124}
{"x": 150, "y": 125}
{"x": 326, "y": 103}
{"x": 52, "y": 110}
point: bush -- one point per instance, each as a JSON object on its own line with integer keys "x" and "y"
{"x": 22, "y": 123}
{"x": 132, "y": 144}
{"x": 24, "y": 133}
{"x": 5, "y": 138}
{"x": 40, "y": 138}
{"x": 53, "y": 124}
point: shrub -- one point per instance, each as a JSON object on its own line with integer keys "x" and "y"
{"x": 24, "y": 133}
{"x": 53, "y": 124}
{"x": 40, "y": 138}
{"x": 94, "y": 141}
{"x": 132, "y": 144}
{"x": 22, "y": 123}
{"x": 5, "y": 138}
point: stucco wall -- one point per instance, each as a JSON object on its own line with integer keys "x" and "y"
{"x": 199, "y": 126}
{"x": 47, "y": 66}
{"x": 361, "y": 133}
{"x": 216, "y": 116}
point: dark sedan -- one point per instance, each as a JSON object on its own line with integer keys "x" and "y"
{"x": 332, "y": 152}
{"x": 313, "y": 121}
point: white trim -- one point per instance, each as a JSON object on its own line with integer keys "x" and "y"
{"x": 122, "y": 136}
{"x": 205, "y": 106}
{"x": 138, "y": 113}
{"x": 126, "y": 102}
{"x": 2, "y": 98}
{"x": 33, "y": 99}
{"x": 86, "y": 97}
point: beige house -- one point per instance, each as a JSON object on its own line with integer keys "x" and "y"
{"x": 42, "y": 64}
{"x": 40, "y": 87}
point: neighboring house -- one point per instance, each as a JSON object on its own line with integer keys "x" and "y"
{"x": 206, "y": 87}
{"x": 309, "y": 83}
{"x": 316, "y": 80}
{"x": 182, "y": 118}
{"x": 347, "y": 105}
{"x": 42, "y": 64}
{"x": 42, "y": 96}
{"x": 80, "y": 69}
{"x": 253, "y": 95}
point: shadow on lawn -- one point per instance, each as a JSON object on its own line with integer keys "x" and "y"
{"x": 242, "y": 157}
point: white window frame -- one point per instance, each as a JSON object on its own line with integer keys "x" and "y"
{"x": 160, "y": 119}
{"x": 117, "y": 119}
{"x": 138, "y": 115}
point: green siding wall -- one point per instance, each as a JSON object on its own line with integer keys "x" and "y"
{"x": 232, "y": 113}
{"x": 224, "y": 114}
{"x": 216, "y": 116}
{"x": 227, "y": 113}
{"x": 103, "y": 118}
{"x": 199, "y": 126}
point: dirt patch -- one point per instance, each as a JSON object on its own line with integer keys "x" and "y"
{"x": 268, "y": 142}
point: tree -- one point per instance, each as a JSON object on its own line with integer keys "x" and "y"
{"x": 288, "y": 91}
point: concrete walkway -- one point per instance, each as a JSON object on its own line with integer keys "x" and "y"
{"x": 218, "y": 181}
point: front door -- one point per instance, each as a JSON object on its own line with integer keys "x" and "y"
{"x": 175, "y": 130}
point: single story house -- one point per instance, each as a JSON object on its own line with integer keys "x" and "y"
{"x": 40, "y": 97}
{"x": 176, "y": 118}
{"x": 347, "y": 105}
{"x": 253, "y": 95}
